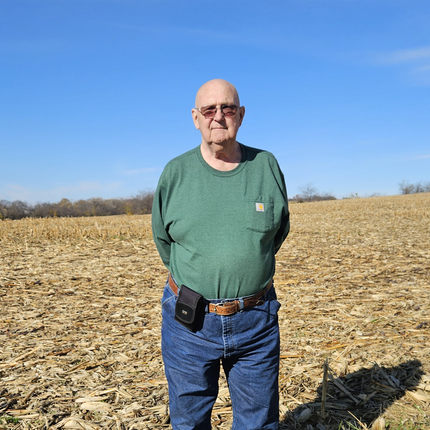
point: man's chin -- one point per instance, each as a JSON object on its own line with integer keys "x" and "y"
{"x": 222, "y": 140}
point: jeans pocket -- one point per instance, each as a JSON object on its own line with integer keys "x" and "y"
{"x": 272, "y": 300}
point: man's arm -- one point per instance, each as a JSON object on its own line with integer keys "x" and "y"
{"x": 161, "y": 237}
{"x": 284, "y": 228}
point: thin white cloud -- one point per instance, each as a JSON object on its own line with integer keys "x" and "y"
{"x": 172, "y": 30}
{"x": 404, "y": 56}
{"x": 422, "y": 69}
{"x": 203, "y": 35}
{"x": 415, "y": 61}
{"x": 14, "y": 192}
{"x": 420, "y": 157}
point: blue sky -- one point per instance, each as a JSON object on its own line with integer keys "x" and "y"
{"x": 96, "y": 95}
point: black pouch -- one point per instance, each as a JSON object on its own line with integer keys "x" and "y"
{"x": 190, "y": 309}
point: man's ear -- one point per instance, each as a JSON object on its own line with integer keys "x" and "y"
{"x": 241, "y": 114}
{"x": 195, "y": 115}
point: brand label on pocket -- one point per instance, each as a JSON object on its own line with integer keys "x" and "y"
{"x": 259, "y": 207}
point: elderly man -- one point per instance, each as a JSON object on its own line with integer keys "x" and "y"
{"x": 220, "y": 214}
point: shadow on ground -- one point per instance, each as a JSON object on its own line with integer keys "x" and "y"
{"x": 357, "y": 398}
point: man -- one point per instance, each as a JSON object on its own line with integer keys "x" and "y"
{"x": 220, "y": 214}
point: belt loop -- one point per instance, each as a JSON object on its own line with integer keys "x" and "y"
{"x": 241, "y": 305}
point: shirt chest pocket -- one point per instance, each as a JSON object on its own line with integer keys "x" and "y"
{"x": 259, "y": 214}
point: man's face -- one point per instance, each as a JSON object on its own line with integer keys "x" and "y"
{"x": 219, "y": 129}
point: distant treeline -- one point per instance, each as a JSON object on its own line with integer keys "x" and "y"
{"x": 309, "y": 193}
{"x": 140, "y": 204}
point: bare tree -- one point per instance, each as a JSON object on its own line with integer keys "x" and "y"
{"x": 308, "y": 192}
{"x": 18, "y": 209}
{"x": 419, "y": 187}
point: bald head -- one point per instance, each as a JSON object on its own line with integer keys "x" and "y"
{"x": 207, "y": 91}
{"x": 221, "y": 129}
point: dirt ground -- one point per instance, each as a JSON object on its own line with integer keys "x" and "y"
{"x": 80, "y": 320}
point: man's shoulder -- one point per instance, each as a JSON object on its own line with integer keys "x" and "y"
{"x": 259, "y": 155}
{"x": 182, "y": 159}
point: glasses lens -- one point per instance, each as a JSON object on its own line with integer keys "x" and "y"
{"x": 208, "y": 111}
{"x": 229, "y": 110}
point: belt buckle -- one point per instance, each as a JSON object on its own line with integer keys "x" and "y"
{"x": 220, "y": 304}
{"x": 216, "y": 306}
{"x": 239, "y": 306}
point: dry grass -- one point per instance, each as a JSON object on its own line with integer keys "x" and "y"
{"x": 80, "y": 320}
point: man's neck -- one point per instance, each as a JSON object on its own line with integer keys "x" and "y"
{"x": 223, "y": 157}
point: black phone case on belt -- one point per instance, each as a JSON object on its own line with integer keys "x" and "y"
{"x": 189, "y": 310}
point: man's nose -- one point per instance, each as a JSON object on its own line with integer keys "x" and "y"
{"x": 219, "y": 116}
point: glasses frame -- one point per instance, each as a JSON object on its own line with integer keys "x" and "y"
{"x": 221, "y": 107}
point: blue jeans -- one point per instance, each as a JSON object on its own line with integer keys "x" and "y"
{"x": 246, "y": 343}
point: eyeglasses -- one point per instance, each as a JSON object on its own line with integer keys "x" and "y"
{"x": 209, "y": 112}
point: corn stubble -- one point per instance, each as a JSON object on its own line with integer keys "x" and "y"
{"x": 80, "y": 320}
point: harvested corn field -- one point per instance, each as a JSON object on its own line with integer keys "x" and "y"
{"x": 80, "y": 320}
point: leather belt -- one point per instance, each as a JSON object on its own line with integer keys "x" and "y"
{"x": 233, "y": 306}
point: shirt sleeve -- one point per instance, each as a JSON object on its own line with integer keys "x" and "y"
{"x": 284, "y": 227}
{"x": 161, "y": 237}
{"x": 283, "y": 231}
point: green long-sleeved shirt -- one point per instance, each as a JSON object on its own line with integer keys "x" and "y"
{"x": 218, "y": 232}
